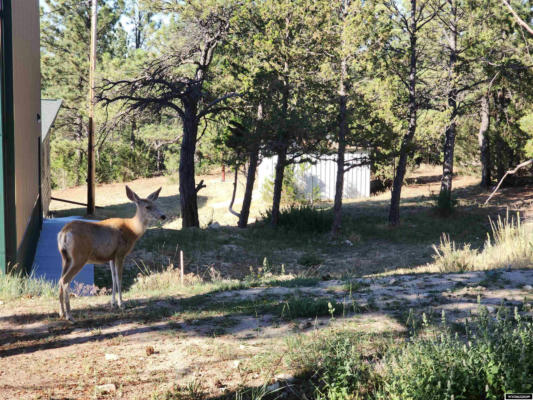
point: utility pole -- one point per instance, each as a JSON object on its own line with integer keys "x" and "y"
{"x": 92, "y": 101}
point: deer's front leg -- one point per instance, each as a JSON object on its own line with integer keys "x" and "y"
{"x": 114, "y": 280}
{"x": 119, "y": 265}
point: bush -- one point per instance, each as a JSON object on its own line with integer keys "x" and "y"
{"x": 449, "y": 258}
{"x": 68, "y": 163}
{"x": 495, "y": 358}
{"x": 445, "y": 203}
{"x": 292, "y": 193}
{"x": 302, "y": 218}
{"x": 344, "y": 372}
{"x": 511, "y": 246}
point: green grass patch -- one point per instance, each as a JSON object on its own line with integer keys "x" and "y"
{"x": 18, "y": 284}
{"x": 483, "y": 360}
{"x": 493, "y": 358}
{"x": 302, "y": 218}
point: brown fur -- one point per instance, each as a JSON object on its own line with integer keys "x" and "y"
{"x": 110, "y": 240}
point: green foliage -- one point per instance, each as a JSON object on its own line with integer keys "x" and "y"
{"x": 302, "y": 307}
{"x": 172, "y": 160}
{"x": 19, "y": 284}
{"x": 494, "y": 359}
{"x": 292, "y": 193}
{"x": 68, "y": 163}
{"x": 116, "y": 161}
{"x": 344, "y": 372}
{"x": 445, "y": 203}
{"x": 302, "y": 218}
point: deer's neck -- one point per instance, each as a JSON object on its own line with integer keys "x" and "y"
{"x": 138, "y": 224}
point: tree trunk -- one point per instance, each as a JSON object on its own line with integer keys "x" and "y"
{"x": 447, "y": 166}
{"x": 281, "y": 152}
{"x": 278, "y": 184}
{"x": 394, "y": 211}
{"x": 79, "y": 151}
{"x": 343, "y": 128}
{"x": 132, "y": 133}
{"x": 449, "y": 142}
{"x": 484, "y": 143}
{"x": 250, "y": 180}
{"x": 158, "y": 159}
{"x": 188, "y": 191}
{"x": 499, "y": 143}
{"x": 252, "y": 168}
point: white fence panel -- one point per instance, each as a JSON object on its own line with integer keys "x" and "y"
{"x": 323, "y": 174}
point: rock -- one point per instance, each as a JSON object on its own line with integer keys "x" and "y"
{"x": 305, "y": 325}
{"x": 236, "y": 363}
{"x": 111, "y": 357}
{"x": 1, "y": 303}
{"x": 106, "y": 389}
{"x": 214, "y": 225}
{"x": 274, "y": 386}
{"x": 525, "y": 287}
{"x": 490, "y": 309}
{"x": 285, "y": 377}
{"x": 348, "y": 243}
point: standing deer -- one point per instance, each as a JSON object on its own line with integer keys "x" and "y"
{"x": 82, "y": 242}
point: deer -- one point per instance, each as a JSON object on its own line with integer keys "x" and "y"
{"x": 109, "y": 240}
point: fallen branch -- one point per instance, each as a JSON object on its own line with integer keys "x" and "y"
{"x": 510, "y": 172}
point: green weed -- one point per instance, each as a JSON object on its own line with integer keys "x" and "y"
{"x": 19, "y": 284}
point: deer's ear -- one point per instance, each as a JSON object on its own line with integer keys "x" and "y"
{"x": 154, "y": 195}
{"x": 131, "y": 195}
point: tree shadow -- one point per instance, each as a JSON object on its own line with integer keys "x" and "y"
{"x": 219, "y": 313}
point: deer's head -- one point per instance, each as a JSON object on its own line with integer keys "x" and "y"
{"x": 146, "y": 208}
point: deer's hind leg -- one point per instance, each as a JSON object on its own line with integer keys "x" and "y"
{"x": 112, "y": 266}
{"x": 67, "y": 275}
{"x": 65, "y": 265}
{"x": 119, "y": 266}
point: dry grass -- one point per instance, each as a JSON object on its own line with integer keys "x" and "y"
{"x": 510, "y": 245}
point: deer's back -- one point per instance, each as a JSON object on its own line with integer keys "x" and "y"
{"x": 96, "y": 242}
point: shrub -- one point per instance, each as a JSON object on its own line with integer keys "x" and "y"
{"x": 344, "y": 372}
{"x": 449, "y": 258}
{"x": 445, "y": 203}
{"x": 303, "y": 218}
{"x": 511, "y": 245}
{"x": 495, "y": 358}
{"x": 168, "y": 279}
{"x": 292, "y": 193}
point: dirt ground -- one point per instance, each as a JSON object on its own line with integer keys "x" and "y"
{"x": 150, "y": 347}
{"x": 220, "y": 342}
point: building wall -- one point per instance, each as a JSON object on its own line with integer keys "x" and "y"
{"x": 321, "y": 177}
{"x": 27, "y": 108}
{"x": 46, "y": 180}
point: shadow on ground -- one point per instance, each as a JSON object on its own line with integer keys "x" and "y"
{"x": 270, "y": 310}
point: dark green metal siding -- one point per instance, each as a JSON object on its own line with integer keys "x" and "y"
{"x": 9, "y": 212}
